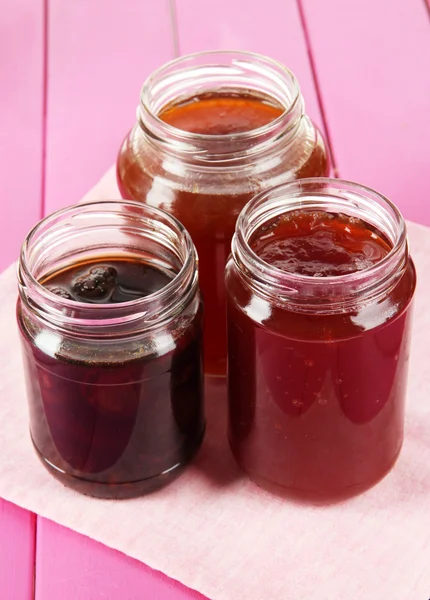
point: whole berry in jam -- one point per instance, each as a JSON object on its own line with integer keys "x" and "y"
{"x": 97, "y": 284}
{"x": 58, "y": 291}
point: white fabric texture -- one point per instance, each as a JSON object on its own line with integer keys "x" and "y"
{"x": 215, "y": 531}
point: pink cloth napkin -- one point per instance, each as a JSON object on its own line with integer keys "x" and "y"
{"x": 215, "y": 531}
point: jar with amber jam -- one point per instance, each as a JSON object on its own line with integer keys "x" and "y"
{"x": 212, "y": 130}
{"x": 319, "y": 292}
{"x": 110, "y": 318}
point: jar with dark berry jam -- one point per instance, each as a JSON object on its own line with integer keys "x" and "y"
{"x": 110, "y": 317}
{"x": 212, "y": 130}
{"x": 319, "y": 292}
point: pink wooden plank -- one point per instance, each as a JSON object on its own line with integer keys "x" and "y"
{"x": 21, "y": 84}
{"x": 373, "y": 65}
{"x": 17, "y": 551}
{"x": 21, "y": 124}
{"x": 272, "y": 27}
{"x": 100, "y": 52}
{"x": 71, "y": 566}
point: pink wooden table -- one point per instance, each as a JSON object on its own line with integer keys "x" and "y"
{"x": 70, "y": 74}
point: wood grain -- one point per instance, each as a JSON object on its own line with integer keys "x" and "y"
{"x": 373, "y": 66}
{"x": 99, "y": 54}
{"x": 21, "y": 121}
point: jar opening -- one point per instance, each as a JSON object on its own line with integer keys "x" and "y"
{"x": 335, "y": 292}
{"x": 99, "y": 231}
{"x": 223, "y": 72}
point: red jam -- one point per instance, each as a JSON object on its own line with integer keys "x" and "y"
{"x": 209, "y": 211}
{"x": 319, "y": 244}
{"x": 317, "y": 397}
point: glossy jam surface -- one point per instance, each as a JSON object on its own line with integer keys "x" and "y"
{"x": 319, "y": 244}
{"x": 107, "y": 282}
{"x": 114, "y": 419}
{"x": 209, "y": 204}
{"x": 316, "y": 400}
{"x": 214, "y": 114}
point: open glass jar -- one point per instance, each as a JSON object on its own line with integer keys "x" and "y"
{"x": 110, "y": 318}
{"x": 319, "y": 291}
{"x": 212, "y": 130}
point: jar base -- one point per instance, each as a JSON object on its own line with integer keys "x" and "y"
{"x": 120, "y": 491}
{"x": 317, "y": 496}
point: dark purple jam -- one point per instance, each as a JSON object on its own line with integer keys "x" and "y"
{"x": 115, "y": 418}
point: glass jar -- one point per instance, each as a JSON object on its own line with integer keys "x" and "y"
{"x": 317, "y": 367}
{"x": 217, "y": 155}
{"x": 115, "y": 391}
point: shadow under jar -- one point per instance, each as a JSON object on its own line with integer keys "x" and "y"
{"x": 110, "y": 318}
{"x": 319, "y": 292}
{"x": 213, "y": 129}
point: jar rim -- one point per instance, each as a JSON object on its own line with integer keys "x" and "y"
{"x": 179, "y": 65}
{"x": 294, "y": 196}
{"x": 104, "y": 314}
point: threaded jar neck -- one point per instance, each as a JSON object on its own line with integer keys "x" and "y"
{"x": 97, "y": 231}
{"x": 219, "y": 72}
{"x": 322, "y": 295}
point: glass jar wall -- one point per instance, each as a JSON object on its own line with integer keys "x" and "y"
{"x": 319, "y": 292}
{"x": 110, "y": 318}
{"x": 212, "y": 130}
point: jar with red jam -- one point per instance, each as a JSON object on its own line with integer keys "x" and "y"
{"x": 319, "y": 293}
{"x": 212, "y": 130}
{"x": 110, "y": 317}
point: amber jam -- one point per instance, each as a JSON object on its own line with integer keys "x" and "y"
{"x": 112, "y": 355}
{"x": 319, "y": 291}
{"x": 217, "y": 113}
{"x": 203, "y": 156}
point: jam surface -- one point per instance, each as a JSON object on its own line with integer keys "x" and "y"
{"x": 209, "y": 210}
{"x": 319, "y": 244}
{"x": 107, "y": 282}
{"x": 316, "y": 399}
{"x": 215, "y": 114}
{"x": 115, "y": 419}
